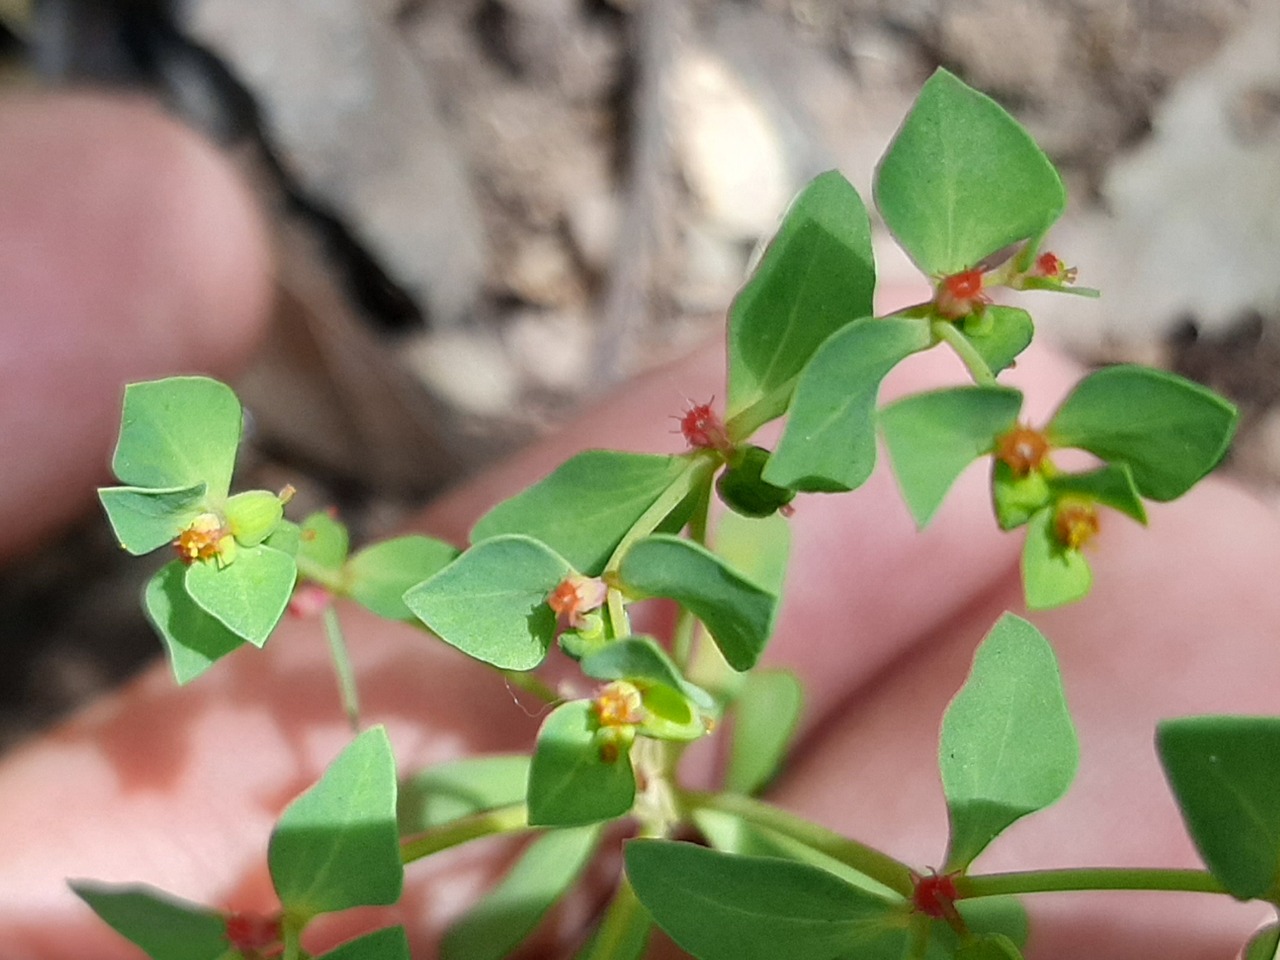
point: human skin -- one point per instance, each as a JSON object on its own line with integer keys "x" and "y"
{"x": 179, "y": 788}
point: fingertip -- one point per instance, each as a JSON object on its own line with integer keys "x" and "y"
{"x": 129, "y": 249}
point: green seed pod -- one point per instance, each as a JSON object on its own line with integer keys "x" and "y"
{"x": 742, "y": 489}
{"x": 253, "y": 516}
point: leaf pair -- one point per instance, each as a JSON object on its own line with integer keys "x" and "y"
{"x": 334, "y": 848}
{"x": 1157, "y": 433}
{"x": 175, "y": 455}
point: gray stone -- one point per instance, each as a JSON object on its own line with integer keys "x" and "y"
{"x": 353, "y": 118}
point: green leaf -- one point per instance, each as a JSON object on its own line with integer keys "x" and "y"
{"x": 336, "y": 846}
{"x": 1053, "y": 574}
{"x": 817, "y": 275}
{"x": 1008, "y": 747}
{"x": 177, "y": 433}
{"x": 323, "y": 542}
{"x": 990, "y": 946}
{"x": 247, "y": 596}
{"x": 1223, "y": 772}
{"x": 165, "y": 927}
{"x": 491, "y": 603}
{"x": 829, "y": 443}
{"x": 459, "y": 788}
{"x": 719, "y": 906}
{"x": 1170, "y": 431}
{"x": 380, "y": 575}
{"x": 569, "y": 781}
{"x": 389, "y": 943}
{"x": 1000, "y": 335}
{"x": 1263, "y": 945}
{"x": 962, "y": 180}
{"x": 144, "y": 519}
{"x": 623, "y": 933}
{"x": 640, "y": 659}
{"x": 1112, "y": 485}
{"x": 932, "y": 437}
{"x": 508, "y": 913}
{"x": 738, "y": 614}
{"x": 765, "y": 716}
{"x": 195, "y": 640}
{"x": 586, "y": 506}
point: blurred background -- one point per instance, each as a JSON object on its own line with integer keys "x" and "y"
{"x": 487, "y": 211}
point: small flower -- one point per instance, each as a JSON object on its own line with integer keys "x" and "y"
{"x": 961, "y": 295}
{"x": 703, "y": 429}
{"x": 934, "y": 895}
{"x": 575, "y": 596}
{"x": 253, "y": 933}
{"x": 1022, "y": 449}
{"x": 619, "y": 709}
{"x": 1050, "y": 267}
{"x": 1075, "y": 523}
{"x": 206, "y": 538}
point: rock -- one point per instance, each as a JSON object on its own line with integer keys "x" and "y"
{"x": 353, "y": 119}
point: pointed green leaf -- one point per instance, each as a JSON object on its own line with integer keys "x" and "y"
{"x": 1223, "y": 772}
{"x": 177, "y": 433}
{"x": 380, "y": 575}
{"x": 586, "y": 506}
{"x": 247, "y": 596}
{"x": 738, "y": 614}
{"x": 165, "y": 927}
{"x": 1112, "y": 485}
{"x": 336, "y": 846}
{"x": 323, "y": 542}
{"x": 570, "y": 783}
{"x": 145, "y": 519}
{"x": 491, "y": 603}
{"x": 500, "y": 921}
{"x": 195, "y": 640}
{"x": 932, "y": 437}
{"x": 458, "y": 788}
{"x": 1008, "y": 747}
{"x": 1053, "y": 574}
{"x": 829, "y": 443}
{"x": 817, "y": 274}
{"x": 766, "y": 713}
{"x": 1170, "y": 431}
{"x": 1263, "y": 945}
{"x": 389, "y": 943}
{"x": 999, "y": 335}
{"x": 962, "y": 180}
{"x": 723, "y": 907}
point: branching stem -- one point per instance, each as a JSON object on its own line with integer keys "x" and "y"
{"x": 511, "y": 819}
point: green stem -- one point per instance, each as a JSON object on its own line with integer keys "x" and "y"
{"x": 947, "y": 331}
{"x": 291, "y": 938}
{"x": 1086, "y": 878}
{"x": 331, "y": 580}
{"x": 866, "y": 860}
{"x": 626, "y": 924}
{"x": 342, "y": 668}
{"x": 511, "y": 819}
{"x": 686, "y": 623}
{"x": 697, "y": 469}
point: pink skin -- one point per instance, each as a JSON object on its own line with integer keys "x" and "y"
{"x": 179, "y": 788}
